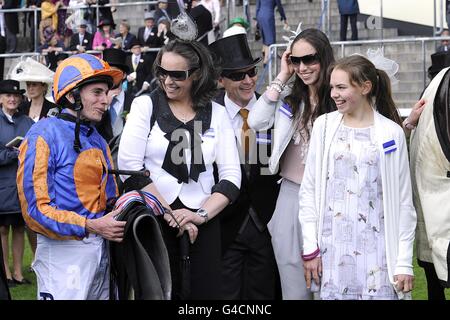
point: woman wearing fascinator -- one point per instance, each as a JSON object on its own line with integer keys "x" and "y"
{"x": 177, "y": 133}
{"x": 355, "y": 202}
{"x": 292, "y": 109}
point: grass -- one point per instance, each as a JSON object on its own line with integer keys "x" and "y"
{"x": 28, "y": 292}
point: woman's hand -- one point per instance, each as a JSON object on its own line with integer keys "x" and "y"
{"x": 192, "y": 231}
{"x": 404, "y": 282}
{"x": 286, "y": 68}
{"x": 184, "y": 216}
{"x": 313, "y": 271}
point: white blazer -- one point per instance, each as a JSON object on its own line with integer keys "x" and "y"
{"x": 399, "y": 212}
{"x": 138, "y": 148}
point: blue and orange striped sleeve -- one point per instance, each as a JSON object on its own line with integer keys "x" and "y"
{"x": 112, "y": 190}
{"x": 35, "y": 183}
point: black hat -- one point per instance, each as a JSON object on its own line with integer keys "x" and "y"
{"x": 233, "y": 53}
{"x": 439, "y": 61}
{"x": 10, "y": 86}
{"x": 135, "y": 42}
{"x": 105, "y": 22}
{"x": 116, "y": 58}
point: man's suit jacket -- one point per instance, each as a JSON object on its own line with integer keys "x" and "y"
{"x": 153, "y": 41}
{"x": 129, "y": 39}
{"x": 143, "y": 72}
{"x": 259, "y": 191}
{"x": 75, "y": 40}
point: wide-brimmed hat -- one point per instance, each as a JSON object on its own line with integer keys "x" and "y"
{"x": 105, "y": 22}
{"x": 116, "y": 58}
{"x": 233, "y": 53}
{"x": 11, "y": 86}
{"x": 32, "y": 71}
{"x": 439, "y": 61}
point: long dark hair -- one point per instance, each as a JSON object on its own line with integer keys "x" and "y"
{"x": 300, "y": 93}
{"x": 204, "y": 85}
{"x": 360, "y": 70}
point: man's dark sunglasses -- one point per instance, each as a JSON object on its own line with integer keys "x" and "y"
{"x": 177, "y": 75}
{"x": 239, "y": 76}
{"x": 307, "y": 60}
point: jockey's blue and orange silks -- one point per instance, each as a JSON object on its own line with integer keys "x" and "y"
{"x": 59, "y": 188}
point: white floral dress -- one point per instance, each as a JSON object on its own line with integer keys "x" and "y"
{"x": 353, "y": 245}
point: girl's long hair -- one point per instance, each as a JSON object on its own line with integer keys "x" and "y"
{"x": 360, "y": 70}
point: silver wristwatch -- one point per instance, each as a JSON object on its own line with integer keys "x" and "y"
{"x": 203, "y": 213}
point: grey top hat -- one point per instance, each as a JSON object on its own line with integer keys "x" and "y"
{"x": 149, "y": 15}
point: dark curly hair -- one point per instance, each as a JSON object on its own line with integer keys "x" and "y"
{"x": 204, "y": 86}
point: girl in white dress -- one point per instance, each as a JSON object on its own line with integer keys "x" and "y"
{"x": 355, "y": 203}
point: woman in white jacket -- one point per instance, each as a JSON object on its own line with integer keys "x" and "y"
{"x": 356, "y": 208}
{"x": 291, "y": 113}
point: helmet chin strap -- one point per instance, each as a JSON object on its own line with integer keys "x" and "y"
{"x": 78, "y": 106}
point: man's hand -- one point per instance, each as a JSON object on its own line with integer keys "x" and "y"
{"x": 107, "y": 226}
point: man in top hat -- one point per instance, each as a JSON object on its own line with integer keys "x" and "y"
{"x": 119, "y": 101}
{"x": 81, "y": 41}
{"x": 140, "y": 66}
{"x": 248, "y": 263}
{"x": 147, "y": 35}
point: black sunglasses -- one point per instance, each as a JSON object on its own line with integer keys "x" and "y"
{"x": 307, "y": 60}
{"x": 177, "y": 75}
{"x": 239, "y": 76}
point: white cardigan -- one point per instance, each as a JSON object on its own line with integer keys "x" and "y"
{"x": 399, "y": 212}
{"x": 138, "y": 148}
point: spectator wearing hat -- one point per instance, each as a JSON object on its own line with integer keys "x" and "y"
{"x": 248, "y": 264}
{"x": 161, "y": 11}
{"x": 37, "y": 78}
{"x": 104, "y": 37}
{"x": 147, "y": 35}
{"x": 126, "y": 38}
{"x": 237, "y": 26}
{"x": 12, "y": 125}
{"x": 140, "y": 67}
{"x": 82, "y": 41}
{"x": 119, "y": 101}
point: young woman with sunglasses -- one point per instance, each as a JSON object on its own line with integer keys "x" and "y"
{"x": 292, "y": 110}
{"x": 189, "y": 134}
